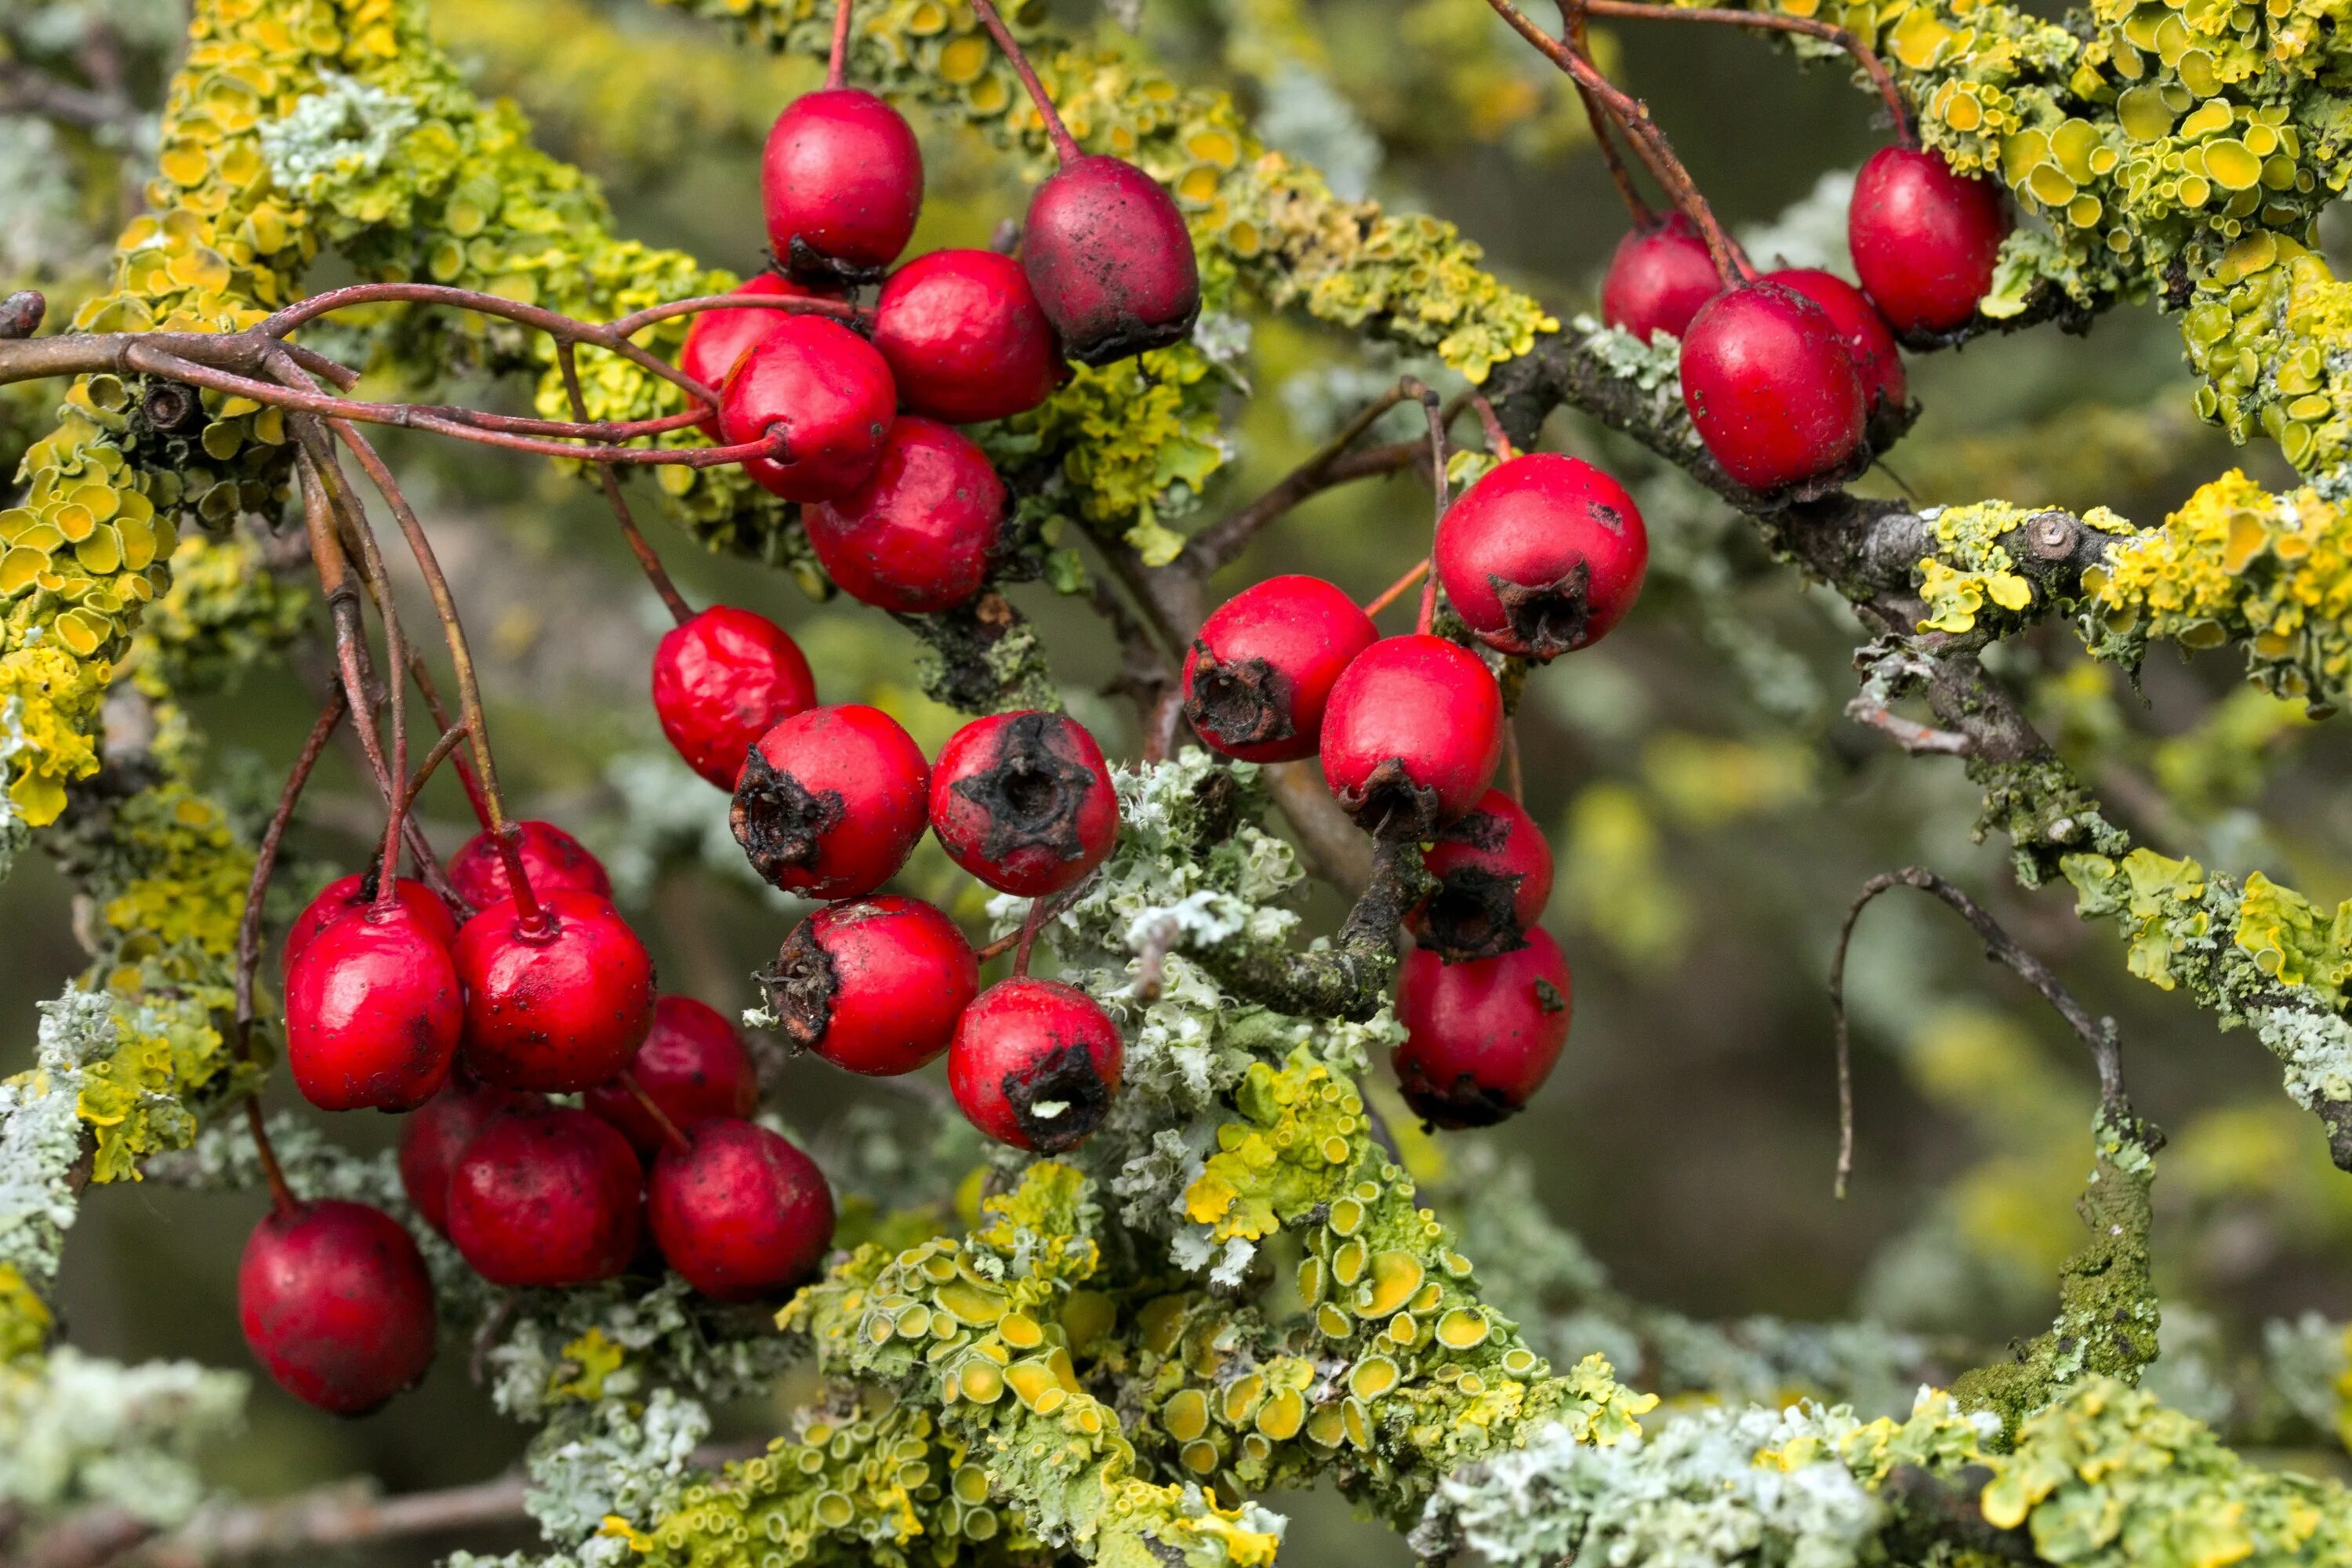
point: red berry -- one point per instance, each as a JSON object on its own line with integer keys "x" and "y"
{"x": 1658, "y": 279}
{"x": 1111, "y": 260}
{"x": 721, "y": 681}
{"x": 1035, "y": 1064}
{"x": 692, "y": 1064}
{"x": 1023, "y": 802}
{"x": 1771, "y": 388}
{"x": 1258, "y": 675}
{"x": 1481, "y": 1036}
{"x": 965, "y": 337}
{"x": 1543, "y": 555}
{"x": 549, "y": 1197}
{"x": 559, "y": 1007}
{"x": 335, "y": 1305}
{"x": 372, "y": 1012}
{"x": 1413, "y": 735}
{"x": 718, "y": 339}
{"x": 551, "y": 858}
{"x": 438, "y": 1132}
{"x": 832, "y": 802}
{"x": 1876, "y": 359}
{"x": 1494, "y": 875}
{"x": 829, "y": 392}
{"x": 842, "y": 180}
{"x": 345, "y": 894}
{"x": 1924, "y": 238}
{"x": 921, "y": 532}
{"x": 874, "y": 985}
{"x": 740, "y": 1212}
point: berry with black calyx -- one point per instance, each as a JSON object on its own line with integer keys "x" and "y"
{"x": 965, "y": 337}
{"x": 549, "y": 1197}
{"x": 1259, "y": 673}
{"x": 739, "y": 1211}
{"x": 832, "y": 802}
{"x": 556, "y": 999}
{"x": 842, "y": 183}
{"x": 721, "y": 679}
{"x": 874, "y": 985}
{"x": 1772, "y": 392}
{"x": 922, "y": 530}
{"x": 1413, "y": 735}
{"x": 1543, "y": 555}
{"x": 336, "y": 1305}
{"x": 1023, "y": 802}
{"x": 1494, "y": 874}
{"x": 1035, "y": 1064}
{"x": 692, "y": 1067}
{"x": 1480, "y": 1036}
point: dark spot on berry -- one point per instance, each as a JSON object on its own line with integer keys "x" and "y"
{"x": 1465, "y": 1102}
{"x": 1064, "y": 1077}
{"x": 1472, "y": 915}
{"x": 800, "y": 985}
{"x": 1606, "y": 516}
{"x": 1548, "y": 998}
{"x": 810, "y": 265}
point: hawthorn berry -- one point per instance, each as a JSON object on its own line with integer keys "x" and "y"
{"x": 692, "y": 1064}
{"x": 1772, "y": 390}
{"x": 1877, "y": 361}
{"x": 842, "y": 181}
{"x": 1111, "y": 260}
{"x": 546, "y": 1198}
{"x": 717, "y": 340}
{"x": 336, "y": 1305}
{"x": 739, "y": 1211}
{"x": 965, "y": 338}
{"x": 1543, "y": 555}
{"x": 372, "y": 1012}
{"x": 1660, "y": 274}
{"x": 721, "y": 680}
{"x": 558, "y": 1004}
{"x": 1259, "y": 676}
{"x": 1413, "y": 734}
{"x": 437, "y": 1131}
{"x": 1924, "y": 238}
{"x": 1480, "y": 1036}
{"x": 829, "y": 392}
{"x": 345, "y": 895}
{"x": 874, "y": 985}
{"x": 1035, "y": 1064}
{"x": 920, "y": 534}
{"x": 552, "y": 860}
{"x": 1494, "y": 878}
{"x": 1023, "y": 802}
{"x": 832, "y": 802}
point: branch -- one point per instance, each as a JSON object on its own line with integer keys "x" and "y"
{"x": 1347, "y": 980}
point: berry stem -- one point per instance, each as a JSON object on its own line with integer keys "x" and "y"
{"x": 334, "y": 572}
{"x": 668, "y": 1128}
{"x": 281, "y": 1196}
{"x": 647, "y": 561}
{"x": 1769, "y": 21}
{"x": 1618, "y": 175}
{"x": 1396, "y": 590}
{"x": 1430, "y": 404}
{"x": 836, "y": 67}
{"x": 1499, "y": 440}
{"x": 440, "y": 711}
{"x": 1514, "y": 783}
{"x": 1065, "y": 147}
{"x": 433, "y": 759}
{"x": 1029, "y": 925}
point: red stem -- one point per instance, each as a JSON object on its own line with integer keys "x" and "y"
{"x": 670, "y": 1134}
{"x": 1029, "y": 925}
{"x": 1430, "y": 404}
{"x": 1499, "y": 440}
{"x": 1065, "y": 148}
{"x": 647, "y": 561}
{"x": 1769, "y": 21}
{"x": 836, "y": 69}
{"x": 1396, "y": 590}
{"x": 1618, "y": 175}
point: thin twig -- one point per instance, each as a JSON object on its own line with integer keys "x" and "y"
{"x": 1772, "y": 21}
{"x": 1908, "y": 733}
{"x": 1065, "y": 147}
{"x": 1398, "y": 589}
{"x": 1222, "y": 541}
{"x": 647, "y": 561}
{"x": 1444, "y": 494}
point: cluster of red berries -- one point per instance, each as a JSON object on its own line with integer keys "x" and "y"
{"x": 1792, "y": 377}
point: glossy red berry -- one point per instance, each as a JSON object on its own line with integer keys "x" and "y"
{"x": 437, "y": 1131}
{"x": 842, "y": 181}
{"x": 1658, "y": 279}
{"x": 1543, "y": 555}
{"x": 1035, "y": 1064}
{"x": 1924, "y": 238}
{"x": 1494, "y": 878}
{"x": 1878, "y": 362}
{"x": 920, "y": 534}
{"x": 827, "y": 391}
{"x": 551, "y": 1197}
{"x": 739, "y": 1211}
{"x": 692, "y": 1064}
{"x": 1772, "y": 390}
{"x": 832, "y": 802}
{"x": 1259, "y": 676}
{"x": 346, "y": 894}
{"x": 372, "y": 1012}
{"x": 965, "y": 337}
{"x": 1023, "y": 802}
{"x": 1111, "y": 260}
{"x": 721, "y": 680}
{"x": 551, "y": 858}
{"x": 1481, "y": 1036}
{"x": 336, "y": 1305}
{"x": 558, "y": 1006}
{"x": 874, "y": 985}
{"x": 1414, "y": 733}
{"x": 717, "y": 340}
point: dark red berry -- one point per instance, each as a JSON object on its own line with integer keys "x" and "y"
{"x": 1924, "y": 238}
{"x": 336, "y": 1305}
{"x": 551, "y": 858}
{"x": 1111, "y": 260}
{"x": 718, "y": 339}
{"x": 1878, "y": 362}
{"x": 1035, "y": 1064}
{"x": 1494, "y": 879}
{"x": 874, "y": 985}
{"x": 1023, "y": 802}
{"x": 965, "y": 337}
{"x": 740, "y": 1211}
{"x": 721, "y": 680}
{"x": 1481, "y": 1036}
{"x": 920, "y": 533}
{"x": 832, "y": 802}
{"x": 1658, "y": 279}
{"x": 1543, "y": 555}
{"x": 346, "y": 894}
{"x": 548, "y": 1197}
{"x": 1258, "y": 675}
{"x": 437, "y": 1131}
{"x": 558, "y": 1006}
{"x": 1414, "y": 733}
{"x": 372, "y": 1012}
{"x": 828, "y": 392}
{"x": 1772, "y": 390}
{"x": 842, "y": 180}
{"x": 692, "y": 1064}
